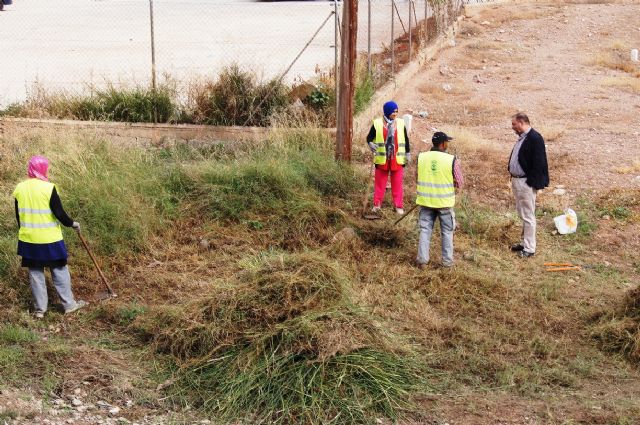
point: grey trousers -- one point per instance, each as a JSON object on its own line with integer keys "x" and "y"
{"x": 61, "y": 281}
{"x": 426, "y": 222}
{"x": 525, "y": 197}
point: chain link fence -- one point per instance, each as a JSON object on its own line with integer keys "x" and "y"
{"x": 83, "y": 46}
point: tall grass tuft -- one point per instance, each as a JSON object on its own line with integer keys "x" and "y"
{"x": 238, "y": 98}
{"x": 283, "y": 343}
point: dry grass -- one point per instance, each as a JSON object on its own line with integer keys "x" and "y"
{"x": 634, "y": 167}
{"x": 466, "y": 141}
{"x": 620, "y": 331}
{"x": 550, "y": 132}
{"x": 499, "y": 15}
{"x": 477, "y": 112}
{"x": 629, "y": 84}
{"x": 617, "y": 57}
{"x": 435, "y": 91}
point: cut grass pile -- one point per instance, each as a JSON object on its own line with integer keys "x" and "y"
{"x": 619, "y": 331}
{"x": 283, "y": 342}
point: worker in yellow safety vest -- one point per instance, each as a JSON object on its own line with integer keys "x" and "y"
{"x": 389, "y": 143}
{"x": 39, "y": 214}
{"x": 439, "y": 174}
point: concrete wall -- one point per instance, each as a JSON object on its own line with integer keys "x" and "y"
{"x": 127, "y": 133}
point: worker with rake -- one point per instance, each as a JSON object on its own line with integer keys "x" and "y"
{"x": 39, "y": 213}
{"x": 389, "y": 143}
{"x": 439, "y": 174}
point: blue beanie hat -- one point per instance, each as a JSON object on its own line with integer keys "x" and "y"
{"x": 389, "y": 108}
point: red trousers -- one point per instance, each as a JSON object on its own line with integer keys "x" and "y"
{"x": 380, "y": 186}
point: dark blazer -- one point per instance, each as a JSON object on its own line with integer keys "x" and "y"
{"x": 533, "y": 160}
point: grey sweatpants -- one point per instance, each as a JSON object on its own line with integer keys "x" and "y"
{"x": 61, "y": 281}
{"x": 426, "y": 222}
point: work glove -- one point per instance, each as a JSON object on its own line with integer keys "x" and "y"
{"x": 408, "y": 156}
{"x": 76, "y": 226}
{"x": 373, "y": 147}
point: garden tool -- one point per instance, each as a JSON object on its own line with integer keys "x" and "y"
{"x": 405, "y": 214}
{"x": 561, "y": 267}
{"x": 365, "y": 201}
{"x": 109, "y": 292}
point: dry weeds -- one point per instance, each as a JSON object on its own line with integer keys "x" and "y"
{"x": 629, "y": 84}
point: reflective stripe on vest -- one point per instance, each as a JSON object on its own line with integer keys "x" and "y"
{"x": 380, "y": 157}
{"x": 435, "y": 187}
{"x": 37, "y": 222}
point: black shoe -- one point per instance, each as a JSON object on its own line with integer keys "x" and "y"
{"x": 525, "y": 254}
{"x": 517, "y": 247}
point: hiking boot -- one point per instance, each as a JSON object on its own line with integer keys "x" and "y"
{"x": 79, "y": 304}
{"x": 517, "y": 247}
{"x": 400, "y": 211}
{"x": 38, "y": 315}
{"x": 375, "y": 210}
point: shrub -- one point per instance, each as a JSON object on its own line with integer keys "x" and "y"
{"x": 237, "y": 98}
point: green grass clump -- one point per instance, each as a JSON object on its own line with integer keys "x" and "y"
{"x": 365, "y": 89}
{"x": 283, "y": 343}
{"x": 14, "y": 334}
{"x": 285, "y": 186}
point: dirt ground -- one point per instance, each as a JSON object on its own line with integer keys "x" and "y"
{"x": 556, "y": 63}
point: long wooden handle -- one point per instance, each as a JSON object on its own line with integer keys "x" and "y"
{"x": 405, "y": 214}
{"x": 562, "y": 269}
{"x": 95, "y": 263}
{"x": 365, "y": 201}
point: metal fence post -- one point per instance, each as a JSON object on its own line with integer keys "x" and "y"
{"x": 410, "y": 47}
{"x": 369, "y": 36}
{"x": 153, "y": 64}
{"x": 393, "y": 47}
{"x": 426, "y": 18}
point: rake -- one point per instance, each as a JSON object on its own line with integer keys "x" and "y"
{"x": 109, "y": 292}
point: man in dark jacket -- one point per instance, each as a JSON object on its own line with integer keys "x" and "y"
{"x": 529, "y": 173}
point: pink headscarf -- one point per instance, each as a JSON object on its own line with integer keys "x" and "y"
{"x": 38, "y": 168}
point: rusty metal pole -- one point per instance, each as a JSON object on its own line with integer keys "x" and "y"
{"x": 344, "y": 133}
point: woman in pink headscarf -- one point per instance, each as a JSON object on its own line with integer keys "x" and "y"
{"x": 39, "y": 214}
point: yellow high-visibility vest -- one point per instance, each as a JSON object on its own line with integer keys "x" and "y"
{"x": 381, "y": 156}
{"x": 435, "y": 180}
{"x": 37, "y": 222}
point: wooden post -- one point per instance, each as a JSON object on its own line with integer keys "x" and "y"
{"x": 347, "y": 80}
